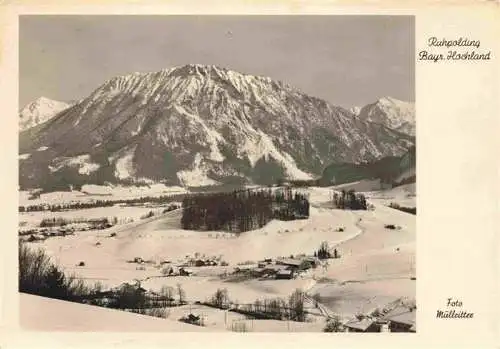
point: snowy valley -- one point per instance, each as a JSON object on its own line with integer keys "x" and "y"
{"x": 321, "y": 235}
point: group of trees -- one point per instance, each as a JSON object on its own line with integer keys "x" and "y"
{"x": 39, "y": 276}
{"x": 61, "y": 221}
{"x": 349, "y": 200}
{"x": 323, "y": 252}
{"x": 277, "y": 308}
{"x": 130, "y": 296}
{"x": 274, "y": 308}
{"x": 101, "y": 203}
{"x": 334, "y": 324}
{"x": 241, "y": 211}
{"x": 220, "y": 299}
{"x": 298, "y": 182}
{"x": 67, "y": 206}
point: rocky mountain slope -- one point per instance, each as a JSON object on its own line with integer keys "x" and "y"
{"x": 198, "y": 125}
{"x": 39, "y": 111}
{"x": 392, "y": 113}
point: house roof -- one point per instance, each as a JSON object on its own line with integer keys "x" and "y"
{"x": 402, "y": 315}
{"x": 359, "y": 324}
{"x": 290, "y": 261}
{"x": 274, "y": 267}
{"x": 311, "y": 259}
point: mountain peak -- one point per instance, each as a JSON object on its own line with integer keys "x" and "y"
{"x": 43, "y": 99}
{"x": 39, "y": 111}
{"x": 390, "y": 100}
{"x": 391, "y": 112}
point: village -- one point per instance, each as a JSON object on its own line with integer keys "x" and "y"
{"x": 239, "y": 281}
{"x": 399, "y": 316}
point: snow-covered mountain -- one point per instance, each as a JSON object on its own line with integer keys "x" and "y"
{"x": 355, "y": 110}
{"x": 391, "y": 113}
{"x": 39, "y": 111}
{"x": 198, "y": 125}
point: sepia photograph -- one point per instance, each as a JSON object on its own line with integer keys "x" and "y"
{"x": 217, "y": 173}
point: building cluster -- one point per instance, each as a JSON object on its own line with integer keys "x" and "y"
{"x": 281, "y": 268}
{"x": 41, "y": 234}
{"x": 399, "y": 319}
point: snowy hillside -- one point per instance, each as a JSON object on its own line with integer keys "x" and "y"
{"x": 376, "y": 267}
{"x": 198, "y": 125}
{"x": 39, "y": 111}
{"x": 46, "y": 314}
{"x": 391, "y": 113}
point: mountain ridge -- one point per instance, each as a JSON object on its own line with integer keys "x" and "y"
{"x": 198, "y": 124}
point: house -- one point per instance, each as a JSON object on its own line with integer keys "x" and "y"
{"x": 290, "y": 262}
{"x": 258, "y": 272}
{"x": 362, "y": 325}
{"x": 285, "y": 274}
{"x": 296, "y": 264}
{"x": 128, "y": 287}
{"x": 402, "y": 319}
{"x": 200, "y": 263}
{"x": 383, "y": 325}
{"x": 185, "y": 272}
{"x": 36, "y": 237}
{"x": 170, "y": 270}
{"x": 273, "y": 268}
{"x": 192, "y": 319}
{"x": 313, "y": 260}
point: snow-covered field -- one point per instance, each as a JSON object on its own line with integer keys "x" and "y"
{"x": 375, "y": 268}
{"x": 92, "y": 192}
{"x": 122, "y": 213}
{"x": 404, "y": 195}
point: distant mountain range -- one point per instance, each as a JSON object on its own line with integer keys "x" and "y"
{"x": 199, "y": 125}
{"x": 39, "y": 111}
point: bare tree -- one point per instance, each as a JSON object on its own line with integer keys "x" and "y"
{"x": 317, "y": 299}
{"x": 220, "y": 298}
{"x": 296, "y": 304}
{"x": 168, "y": 293}
{"x": 181, "y": 293}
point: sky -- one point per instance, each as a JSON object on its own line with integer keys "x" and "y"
{"x": 346, "y": 60}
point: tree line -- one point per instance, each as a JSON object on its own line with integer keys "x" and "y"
{"x": 101, "y": 203}
{"x": 349, "y": 200}
{"x": 276, "y": 308}
{"x": 61, "y": 221}
{"x": 241, "y": 211}
{"x": 412, "y": 210}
